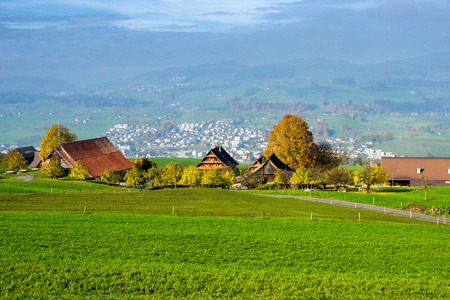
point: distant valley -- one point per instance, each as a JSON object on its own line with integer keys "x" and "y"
{"x": 401, "y": 107}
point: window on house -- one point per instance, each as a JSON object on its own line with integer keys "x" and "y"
{"x": 448, "y": 170}
{"x": 419, "y": 170}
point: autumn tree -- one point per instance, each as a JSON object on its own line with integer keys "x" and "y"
{"x": 80, "y": 171}
{"x": 339, "y": 177}
{"x": 3, "y": 161}
{"x": 154, "y": 175}
{"x": 112, "y": 175}
{"x": 228, "y": 178}
{"x": 301, "y": 177}
{"x": 172, "y": 173}
{"x": 318, "y": 177}
{"x": 371, "y": 175}
{"x": 135, "y": 176}
{"x": 210, "y": 178}
{"x": 281, "y": 178}
{"x": 15, "y": 160}
{"x": 54, "y": 136}
{"x": 191, "y": 176}
{"x": 53, "y": 170}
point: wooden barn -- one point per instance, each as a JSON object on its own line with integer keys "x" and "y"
{"x": 217, "y": 158}
{"x": 257, "y": 163}
{"x": 31, "y": 155}
{"x": 97, "y": 155}
{"x": 410, "y": 171}
{"x": 271, "y": 166}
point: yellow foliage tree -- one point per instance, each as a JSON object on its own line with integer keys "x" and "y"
{"x": 79, "y": 171}
{"x": 54, "y": 136}
{"x": 292, "y": 142}
{"x": 15, "y": 160}
{"x": 371, "y": 175}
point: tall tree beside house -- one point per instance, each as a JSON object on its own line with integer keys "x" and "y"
{"x": 371, "y": 175}
{"x": 228, "y": 178}
{"x": 54, "y": 136}
{"x": 211, "y": 178}
{"x": 281, "y": 179}
{"x": 15, "y": 161}
{"x": 79, "y": 171}
{"x": 172, "y": 173}
{"x": 53, "y": 170}
{"x": 292, "y": 142}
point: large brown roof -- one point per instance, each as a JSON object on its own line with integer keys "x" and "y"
{"x": 272, "y": 165}
{"x": 434, "y": 168}
{"x": 221, "y": 155}
{"x": 97, "y": 155}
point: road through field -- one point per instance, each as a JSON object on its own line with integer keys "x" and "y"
{"x": 396, "y": 212}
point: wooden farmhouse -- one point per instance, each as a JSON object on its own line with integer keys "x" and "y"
{"x": 217, "y": 158}
{"x": 256, "y": 164}
{"x": 410, "y": 171}
{"x": 31, "y": 155}
{"x": 97, "y": 155}
{"x": 271, "y": 166}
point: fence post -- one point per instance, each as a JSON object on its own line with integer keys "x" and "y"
{"x": 173, "y": 210}
{"x": 85, "y": 209}
{"x": 373, "y": 203}
{"x": 410, "y": 214}
{"x": 359, "y": 217}
{"x": 263, "y": 215}
{"x": 311, "y": 216}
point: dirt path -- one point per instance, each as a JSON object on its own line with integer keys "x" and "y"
{"x": 389, "y": 211}
{"x": 29, "y": 177}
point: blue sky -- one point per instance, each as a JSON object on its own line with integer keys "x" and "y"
{"x": 92, "y": 41}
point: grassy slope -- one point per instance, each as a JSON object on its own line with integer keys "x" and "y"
{"x": 128, "y": 244}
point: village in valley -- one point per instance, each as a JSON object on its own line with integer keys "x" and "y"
{"x": 194, "y": 139}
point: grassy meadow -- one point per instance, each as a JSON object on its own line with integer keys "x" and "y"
{"x": 209, "y": 244}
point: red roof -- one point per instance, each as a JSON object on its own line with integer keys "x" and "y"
{"x": 97, "y": 155}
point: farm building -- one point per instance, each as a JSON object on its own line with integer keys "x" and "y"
{"x": 271, "y": 166}
{"x": 31, "y": 155}
{"x": 97, "y": 155}
{"x": 217, "y": 158}
{"x": 257, "y": 163}
{"x": 410, "y": 171}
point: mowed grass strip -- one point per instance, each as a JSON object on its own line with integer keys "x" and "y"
{"x": 60, "y": 255}
{"x": 191, "y": 202}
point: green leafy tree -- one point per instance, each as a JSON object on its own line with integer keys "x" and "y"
{"x": 134, "y": 176}
{"x": 191, "y": 176}
{"x": 53, "y": 170}
{"x": 371, "y": 175}
{"x": 318, "y": 177}
{"x": 144, "y": 163}
{"x": 424, "y": 184}
{"x": 358, "y": 161}
{"x": 112, "y": 175}
{"x": 301, "y": 177}
{"x": 154, "y": 175}
{"x": 80, "y": 171}
{"x": 15, "y": 160}
{"x": 292, "y": 142}
{"x": 339, "y": 177}
{"x": 54, "y": 136}
{"x": 325, "y": 156}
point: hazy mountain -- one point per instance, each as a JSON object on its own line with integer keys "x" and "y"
{"x": 36, "y": 85}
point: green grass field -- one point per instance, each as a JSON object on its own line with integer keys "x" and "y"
{"x": 384, "y": 197}
{"x": 216, "y": 245}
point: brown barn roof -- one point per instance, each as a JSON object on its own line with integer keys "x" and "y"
{"x": 272, "y": 165}
{"x": 413, "y": 168}
{"x": 97, "y": 155}
{"x": 218, "y": 156}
